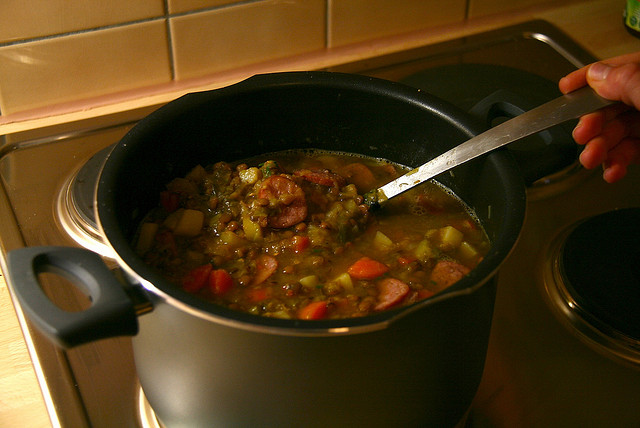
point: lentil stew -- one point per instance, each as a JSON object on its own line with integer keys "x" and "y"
{"x": 287, "y": 235}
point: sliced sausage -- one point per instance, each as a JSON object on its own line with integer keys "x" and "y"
{"x": 265, "y": 267}
{"x": 286, "y": 199}
{"x": 391, "y": 291}
{"x": 446, "y": 272}
{"x": 360, "y": 175}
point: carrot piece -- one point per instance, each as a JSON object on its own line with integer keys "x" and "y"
{"x": 220, "y": 281}
{"x": 406, "y": 260}
{"x": 366, "y": 268}
{"x": 391, "y": 291}
{"x": 196, "y": 278}
{"x": 313, "y": 311}
{"x": 265, "y": 267}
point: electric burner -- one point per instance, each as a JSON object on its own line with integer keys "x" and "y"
{"x": 592, "y": 280}
{"x": 75, "y": 205}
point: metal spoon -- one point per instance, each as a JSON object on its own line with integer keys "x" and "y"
{"x": 555, "y": 112}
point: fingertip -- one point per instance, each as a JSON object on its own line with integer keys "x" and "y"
{"x": 588, "y": 127}
{"x": 594, "y": 154}
{"x": 614, "y": 173}
{"x": 564, "y": 85}
{"x": 585, "y": 160}
{"x": 577, "y": 133}
{"x": 572, "y": 81}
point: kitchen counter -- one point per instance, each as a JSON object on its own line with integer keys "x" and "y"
{"x": 596, "y": 25}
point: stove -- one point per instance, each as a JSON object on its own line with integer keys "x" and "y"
{"x": 555, "y": 357}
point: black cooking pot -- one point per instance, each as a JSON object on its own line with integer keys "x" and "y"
{"x": 204, "y": 365}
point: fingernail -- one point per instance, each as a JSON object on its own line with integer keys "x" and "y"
{"x": 598, "y": 71}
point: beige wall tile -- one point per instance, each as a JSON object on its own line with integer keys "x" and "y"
{"x": 222, "y": 39}
{"x": 478, "y": 8}
{"x": 178, "y": 6}
{"x": 83, "y": 65}
{"x": 353, "y": 21}
{"x": 24, "y": 19}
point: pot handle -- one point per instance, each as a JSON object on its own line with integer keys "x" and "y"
{"x": 554, "y": 148}
{"x": 112, "y": 312}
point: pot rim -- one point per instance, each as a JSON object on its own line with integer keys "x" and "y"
{"x": 160, "y": 291}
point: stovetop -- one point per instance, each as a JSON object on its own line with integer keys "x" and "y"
{"x": 538, "y": 371}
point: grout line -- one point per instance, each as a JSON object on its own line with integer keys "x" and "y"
{"x": 170, "y": 52}
{"x": 83, "y": 31}
{"x": 327, "y": 24}
{"x": 165, "y": 16}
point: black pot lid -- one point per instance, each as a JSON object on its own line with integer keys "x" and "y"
{"x": 593, "y": 277}
{"x": 494, "y": 93}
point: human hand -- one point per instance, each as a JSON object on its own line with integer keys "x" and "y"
{"x": 612, "y": 135}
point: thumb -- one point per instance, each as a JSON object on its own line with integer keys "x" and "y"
{"x": 621, "y": 83}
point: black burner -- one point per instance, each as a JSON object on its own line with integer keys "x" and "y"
{"x": 592, "y": 281}
{"x": 601, "y": 264}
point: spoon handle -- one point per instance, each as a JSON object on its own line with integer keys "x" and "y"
{"x": 555, "y": 112}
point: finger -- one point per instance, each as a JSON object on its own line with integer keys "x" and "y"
{"x": 597, "y": 149}
{"x": 594, "y": 153}
{"x": 624, "y": 59}
{"x": 589, "y": 126}
{"x": 578, "y": 78}
{"x": 626, "y": 153}
{"x": 613, "y": 173}
{"x": 621, "y": 83}
{"x": 573, "y": 81}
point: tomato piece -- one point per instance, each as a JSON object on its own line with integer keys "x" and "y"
{"x": 300, "y": 243}
{"x": 265, "y": 267}
{"x": 367, "y": 268}
{"x": 196, "y": 278}
{"x": 313, "y": 311}
{"x": 170, "y": 201}
{"x": 391, "y": 291}
{"x": 220, "y": 281}
{"x": 406, "y": 260}
{"x": 257, "y": 295}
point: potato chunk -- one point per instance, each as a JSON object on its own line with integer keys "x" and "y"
{"x": 145, "y": 239}
{"x": 185, "y": 222}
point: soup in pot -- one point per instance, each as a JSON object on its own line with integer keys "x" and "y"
{"x": 289, "y": 236}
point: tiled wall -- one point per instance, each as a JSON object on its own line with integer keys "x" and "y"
{"x": 56, "y": 51}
